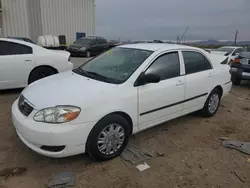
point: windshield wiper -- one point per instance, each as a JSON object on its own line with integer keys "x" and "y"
{"x": 104, "y": 78}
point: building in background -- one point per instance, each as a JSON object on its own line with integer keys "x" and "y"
{"x": 33, "y": 18}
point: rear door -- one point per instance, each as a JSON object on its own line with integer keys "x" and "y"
{"x": 199, "y": 78}
{"x": 16, "y": 61}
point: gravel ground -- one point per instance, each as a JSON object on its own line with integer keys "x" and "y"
{"x": 193, "y": 155}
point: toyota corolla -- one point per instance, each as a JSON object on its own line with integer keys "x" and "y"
{"x": 95, "y": 108}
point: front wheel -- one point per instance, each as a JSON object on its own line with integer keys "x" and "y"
{"x": 108, "y": 138}
{"x": 212, "y": 104}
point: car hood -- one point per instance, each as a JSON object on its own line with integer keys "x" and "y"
{"x": 67, "y": 88}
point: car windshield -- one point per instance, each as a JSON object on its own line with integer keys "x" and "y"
{"x": 114, "y": 66}
{"x": 224, "y": 49}
{"x": 83, "y": 41}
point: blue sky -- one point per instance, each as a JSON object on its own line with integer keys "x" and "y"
{"x": 165, "y": 19}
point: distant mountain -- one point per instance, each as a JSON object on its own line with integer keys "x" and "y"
{"x": 216, "y": 42}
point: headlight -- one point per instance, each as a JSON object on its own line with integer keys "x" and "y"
{"x": 57, "y": 114}
{"x": 82, "y": 49}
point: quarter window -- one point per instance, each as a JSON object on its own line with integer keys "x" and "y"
{"x": 11, "y": 48}
{"x": 166, "y": 66}
{"x": 195, "y": 62}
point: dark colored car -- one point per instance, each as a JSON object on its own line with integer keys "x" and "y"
{"x": 240, "y": 68}
{"x": 23, "y": 39}
{"x": 88, "y": 46}
{"x": 113, "y": 43}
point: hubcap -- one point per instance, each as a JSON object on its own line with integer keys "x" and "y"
{"x": 213, "y": 103}
{"x": 110, "y": 139}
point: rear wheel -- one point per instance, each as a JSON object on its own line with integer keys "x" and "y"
{"x": 212, "y": 104}
{"x": 235, "y": 80}
{"x": 40, "y": 73}
{"x": 108, "y": 138}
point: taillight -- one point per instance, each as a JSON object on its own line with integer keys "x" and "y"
{"x": 236, "y": 61}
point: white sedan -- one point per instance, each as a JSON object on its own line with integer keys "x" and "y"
{"x": 231, "y": 52}
{"x": 23, "y": 63}
{"x": 98, "y": 106}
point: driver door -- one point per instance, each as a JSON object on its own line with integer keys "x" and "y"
{"x": 161, "y": 101}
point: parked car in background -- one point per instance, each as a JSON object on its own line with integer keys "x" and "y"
{"x": 230, "y": 51}
{"x": 98, "y": 106}
{"x": 113, "y": 43}
{"x": 23, "y": 39}
{"x": 240, "y": 68}
{"x": 23, "y": 63}
{"x": 88, "y": 46}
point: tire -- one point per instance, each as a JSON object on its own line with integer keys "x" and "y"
{"x": 88, "y": 54}
{"x": 212, "y": 104}
{"x": 95, "y": 146}
{"x": 235, "y": 80}
{"x": 40, "y": 73}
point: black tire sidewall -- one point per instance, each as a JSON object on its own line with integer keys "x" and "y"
{"x": 205, "y": 110}
{"x": 91, "y": 146}
{"x": 32, "y": 77}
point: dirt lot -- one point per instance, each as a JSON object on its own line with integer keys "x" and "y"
{"x": 193, "y": 156}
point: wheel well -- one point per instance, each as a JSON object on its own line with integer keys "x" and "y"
{"x": 220, "y": 90}
{"x": 127, "y": 117}
{"x": 47, "y": 66}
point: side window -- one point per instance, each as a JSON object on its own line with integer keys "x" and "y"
{"x": 93, "y": 42}
{"x": 10, "y": 48}
{"x": 166, "y": 66}
{"x": 104, "y": 41}
{"x": 241, "y": 50}
{"x": 236, "y": 51}
{"x": 195, "y": 62}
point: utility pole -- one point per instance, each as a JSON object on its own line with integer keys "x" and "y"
{"x": 183, "y": 35}
{"x": 236, "y": 36}
{"x": 177, "y": 41}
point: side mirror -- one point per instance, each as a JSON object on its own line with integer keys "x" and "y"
{"x": 151, "y": 78}
{"x": 147, "y": 78}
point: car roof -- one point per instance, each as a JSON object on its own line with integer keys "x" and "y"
{"x": 15, "y": 40}
{"x": 156, "y": 46}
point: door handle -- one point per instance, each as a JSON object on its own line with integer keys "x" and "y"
{"x": 210, "y": 75}
{"x": 179, "y": 83}
{"x": 28, "y": 60}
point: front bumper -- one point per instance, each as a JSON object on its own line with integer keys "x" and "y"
{"x": 240, "y": 71}
{"x": 35, "y": 135}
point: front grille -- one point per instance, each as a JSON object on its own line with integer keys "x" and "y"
{"x": 24, "y": 107}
